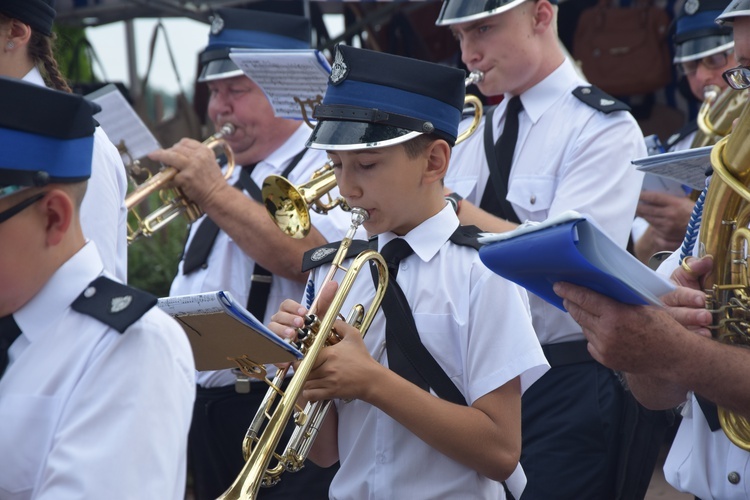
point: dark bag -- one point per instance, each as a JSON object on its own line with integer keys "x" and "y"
{"x": 624, "y": 50}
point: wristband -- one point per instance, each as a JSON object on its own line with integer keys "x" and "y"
{"x": 455, "y": 200}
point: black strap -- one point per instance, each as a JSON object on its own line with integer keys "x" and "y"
{"x": 9, "y": 332}
{"x": 499, "y": 159}
{"x": 710, "y": 412}
{"x": 407, "y": 356}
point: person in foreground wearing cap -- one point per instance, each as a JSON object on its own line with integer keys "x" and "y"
{"x": 553, "y": 144}
{"x": 668, "y": 356}
{"x": 96, "y": 384}
{"x": 26, "y": 42}
{"x": 237, "y": 247}
{"x": 703, "y": 51}
{"x": 388, "y": 124}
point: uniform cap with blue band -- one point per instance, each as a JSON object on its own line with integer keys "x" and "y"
{"x": 376, "y": 99}
{"x": 249, "y": 29}
{"x": 46, "y": 136}
{"x": 697, "y": 35}
{"x": 463, "y": 11}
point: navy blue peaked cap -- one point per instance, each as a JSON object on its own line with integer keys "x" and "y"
{"x": 249, "y": 29}
{"x": 737, "y": 8}
{"x": 46, "y": 136}
{"x": 39, "y": 14}
{"x": 462, "y": 11}
{"x": 376, "y": 99}
{"x": 697, "y": 34}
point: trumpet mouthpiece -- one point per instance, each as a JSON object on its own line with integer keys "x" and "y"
{"x": 227, "y": 129}
{"x": 475, "y": 76}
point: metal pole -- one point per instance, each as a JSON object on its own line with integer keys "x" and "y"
{"x": 133, "y": 80}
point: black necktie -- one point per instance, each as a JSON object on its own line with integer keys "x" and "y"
{"x": 204, "y": 238}
{"x": 394, "y": 252}
{"x": 504, "y": 149}
{"x": 9, "y": 332}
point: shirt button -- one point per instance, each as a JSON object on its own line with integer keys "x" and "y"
{"x": 89, "y": 292}
{"x": 532, "y": 200}
{"x": 733, "y": 477}
{"x": 381, "y": 458}
{"x": 404, "y": 266}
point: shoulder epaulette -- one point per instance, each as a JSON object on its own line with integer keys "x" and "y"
{"x": 599, "y": 100}
{"x": 113, "y": 303}
{"x": 316, "y": 257}
{"x": 467, "y": 236}
{"x": 685, "y": 131}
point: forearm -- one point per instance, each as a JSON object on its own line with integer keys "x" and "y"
{"x": 250, "y": 226}
{"x": 655, "y": 393}
{"x": 466, "y": 434}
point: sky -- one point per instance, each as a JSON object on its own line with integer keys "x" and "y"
{"x": 186, "y": 37}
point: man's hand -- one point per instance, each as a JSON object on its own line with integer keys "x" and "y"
{"x": 668, "y": 215}
{"x": 198, "y": 176}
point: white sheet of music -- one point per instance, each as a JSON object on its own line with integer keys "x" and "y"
{"x": 687, "y": 166}
{"x": 286, "y": 77}
{"x": 122, "y": 124}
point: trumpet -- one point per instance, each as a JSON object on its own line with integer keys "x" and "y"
{"x": 174, "y": 201}
{"x": 288, "y": 205}
{"x": 259, "y": 449}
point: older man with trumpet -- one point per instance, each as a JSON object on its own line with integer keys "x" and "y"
{"x": 236, "y": 246}
{"x": 667, "y": 353}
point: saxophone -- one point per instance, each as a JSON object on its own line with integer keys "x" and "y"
{"x": 725, "y": 235}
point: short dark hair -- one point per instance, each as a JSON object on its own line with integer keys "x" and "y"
{"x": 415, "y": 147}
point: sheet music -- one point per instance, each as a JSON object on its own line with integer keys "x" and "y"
{"x": 201, "y": 303}
{"x": 687, "y": 167}
{"x": 122, "y": 124}
{"x": 286, "y": 75}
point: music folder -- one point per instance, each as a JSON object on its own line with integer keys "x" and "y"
{"x": 571, "y": 248}
{"x": 220, "y": 329}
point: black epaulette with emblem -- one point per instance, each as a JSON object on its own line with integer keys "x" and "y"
{"x": 599, "y": 100}
{"x": 686, "y": 130}
{"x": 467, "y": 236}
{"x": 316, "y": 257}
{"x": 113, "y": 303}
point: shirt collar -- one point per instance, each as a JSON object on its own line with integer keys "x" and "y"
{"x": 427, "y": 238}
{"x": 281, "y": 157}
{"x": 66, "y": 284}
{"x": 544, "y": 94}
{"x": 35, "y": 77}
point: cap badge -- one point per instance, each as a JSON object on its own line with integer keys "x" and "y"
{"x": 692, "y": 6}
{"x": 339, "y": 69}
{"x": 217, "y": 24}
{"x": 120, "y": 303}
{"x": 321, "y": 253}
{"x": 606, "y": 102}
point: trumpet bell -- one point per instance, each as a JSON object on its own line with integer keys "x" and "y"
{"x": 287, "y": 206}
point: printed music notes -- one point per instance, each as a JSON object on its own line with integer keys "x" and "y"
{"x": 286, "y": 77}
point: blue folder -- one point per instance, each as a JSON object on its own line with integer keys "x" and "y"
{"x": 578, "y": 252}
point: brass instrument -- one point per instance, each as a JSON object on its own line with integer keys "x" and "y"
{"x": 260, "y": 449}
{"x": 288, "y": 204}
{"x": 717, "y": 113}
{"x": 174, "y": 201}
{"x": 724, "y": 234}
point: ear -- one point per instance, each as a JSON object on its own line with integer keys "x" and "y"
{"x": 544, "y": 15}
{"x": 58, "y": 211}
{"x": 20, "y": 33}
{"x": 438, "y": 155}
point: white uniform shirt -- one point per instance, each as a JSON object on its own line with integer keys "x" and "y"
{"x": 229, "y": 268}
{"x": 476, "y": 325}
{"x": 103, "y": 212}
{"x": 569, "y": 156}
{"x": 87, "y": 412}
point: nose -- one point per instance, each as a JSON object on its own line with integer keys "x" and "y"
{"x": 218, "y": 105}
{"x": 347, "y": 184}
{"x": 469, "y": 53}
